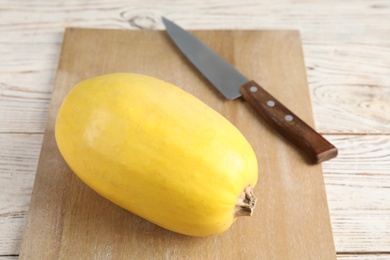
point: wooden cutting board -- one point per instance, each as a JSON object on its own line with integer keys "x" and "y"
{"x": 67, "y": 220}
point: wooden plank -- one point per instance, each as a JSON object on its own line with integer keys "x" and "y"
{"x": 346, "y": 96}
{"x": 351, "y": 256}
{"x": 9, "y": 257}
{"x": 349, "y": 87}
{"x": 358, "y": 199}
{"x": 368, "y": 154}
{"x": 11, "y": 230}
{"x": 359, "y": 195}
{"x": 347, "y": 58}
{"x": 19, "y": 155}
{"x": 357, "y": 256}
{"x": 347, "y": 68}
{"x": 66, "y": 218}
{"x": 364, "y": 18}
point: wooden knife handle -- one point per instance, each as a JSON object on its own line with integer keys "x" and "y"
{"x": 287, "y": 123}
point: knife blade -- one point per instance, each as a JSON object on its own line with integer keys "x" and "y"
{"x": 232, "y": 84}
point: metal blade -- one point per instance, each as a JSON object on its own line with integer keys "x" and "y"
{"x": 220, "y": 73}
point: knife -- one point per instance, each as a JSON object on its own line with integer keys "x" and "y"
{"x": 232, "y": 84}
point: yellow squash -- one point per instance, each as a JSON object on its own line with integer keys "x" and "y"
{"x": 158, "y": 152}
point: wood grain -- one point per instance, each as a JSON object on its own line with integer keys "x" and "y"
{"x": 66, "y": 218}
{"x": 352, "y": 256}
{"x": 347, "y": 55}
{"x": 358, "y": 198}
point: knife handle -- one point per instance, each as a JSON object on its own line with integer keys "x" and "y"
{"x": 287, "y": 123}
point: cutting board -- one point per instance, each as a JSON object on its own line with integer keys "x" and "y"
{"x": 68, "y": 220}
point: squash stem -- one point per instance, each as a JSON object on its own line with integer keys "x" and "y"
{"x": 246, "y": 203}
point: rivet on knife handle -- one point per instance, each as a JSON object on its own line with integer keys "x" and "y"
{"x": 287, "y": 123}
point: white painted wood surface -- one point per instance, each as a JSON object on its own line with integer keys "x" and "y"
{"x": 347, "y": 54}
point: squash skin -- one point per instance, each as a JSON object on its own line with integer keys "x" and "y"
{"x": 156, "y": 151}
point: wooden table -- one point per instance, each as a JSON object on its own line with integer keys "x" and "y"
{"x": 347, "y": 55}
